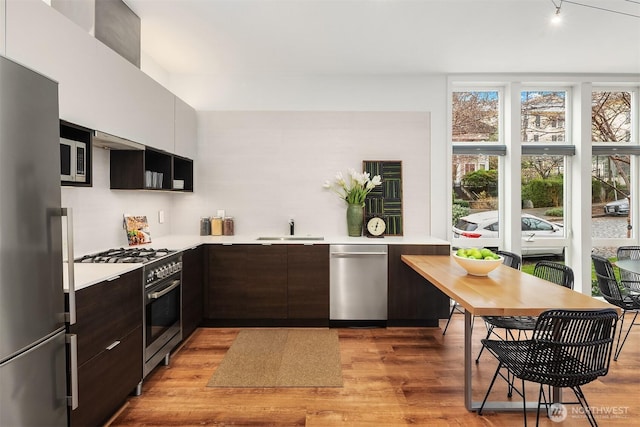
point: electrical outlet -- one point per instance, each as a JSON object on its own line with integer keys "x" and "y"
{"x": 161, "y": 217}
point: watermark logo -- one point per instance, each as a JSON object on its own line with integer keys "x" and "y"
{"x": 557, "y": 412}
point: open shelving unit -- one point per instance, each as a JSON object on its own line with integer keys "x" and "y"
{"x": 137, "y": 169}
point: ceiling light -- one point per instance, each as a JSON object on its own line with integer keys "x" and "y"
{"x": 556, "y": 19}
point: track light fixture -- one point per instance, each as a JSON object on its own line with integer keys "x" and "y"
{"x": 557, "y": 18}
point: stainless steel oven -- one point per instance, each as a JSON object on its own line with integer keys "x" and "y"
{"x": 163, "y": 310}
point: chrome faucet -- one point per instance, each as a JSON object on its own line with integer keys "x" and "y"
{"x": 291, "y": 226}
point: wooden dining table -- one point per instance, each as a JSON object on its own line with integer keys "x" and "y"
{"x": 504, "y": 292}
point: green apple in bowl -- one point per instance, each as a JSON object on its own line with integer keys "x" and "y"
{"x": 477, "y": 261}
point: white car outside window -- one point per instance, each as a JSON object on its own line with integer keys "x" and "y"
{"x": 485, "y": 225}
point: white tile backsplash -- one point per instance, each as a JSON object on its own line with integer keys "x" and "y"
{"x": 265, "y": 167}
{"x": 98, "y": 210}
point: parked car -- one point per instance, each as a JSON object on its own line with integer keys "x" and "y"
{"x": 485, "y": 224}
{"x": 619, "y": 207}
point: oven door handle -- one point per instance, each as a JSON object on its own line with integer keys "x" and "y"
{"x": 172, "y": 286}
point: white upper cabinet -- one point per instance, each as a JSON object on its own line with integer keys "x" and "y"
{"x": 42, "y": 39}
{"x": 98, "y": 88}
{"x": 137, "y": 107}
{"x": 186, "y": 129}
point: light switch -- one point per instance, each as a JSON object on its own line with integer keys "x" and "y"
{"x": 161, "y": 217}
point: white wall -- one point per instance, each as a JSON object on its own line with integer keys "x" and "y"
{"x": 265, "y": 167}
{"x": 98, "y": 211}
{"x": 267, "y": 143}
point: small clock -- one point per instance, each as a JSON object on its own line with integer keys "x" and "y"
{"x": 375, "y": 227}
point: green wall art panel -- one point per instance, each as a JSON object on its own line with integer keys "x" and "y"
{"x": 386, "y": 200}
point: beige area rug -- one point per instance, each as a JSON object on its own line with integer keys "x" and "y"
{"x": 281, "y": 358}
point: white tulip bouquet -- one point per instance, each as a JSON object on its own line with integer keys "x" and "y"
{"x": 356, "y": 189}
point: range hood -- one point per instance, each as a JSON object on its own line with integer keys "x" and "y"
{"x": 111, "y": 142}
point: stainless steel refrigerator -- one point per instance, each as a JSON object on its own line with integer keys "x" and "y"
{"x": 33, "y": 360}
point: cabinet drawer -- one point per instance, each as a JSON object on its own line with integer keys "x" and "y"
{"x": 105, "y": 381}
{"x": 106, "y": 312}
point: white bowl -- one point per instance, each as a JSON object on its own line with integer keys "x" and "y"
{"x": 478, "y": 267}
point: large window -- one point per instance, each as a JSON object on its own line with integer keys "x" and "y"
{"x": 543, "y": 187}
{"x": 475, "y": 205}
{"x": 611, "y": 192}
{"x": 542, "y": 126}
{"x": 476, "y": 136}
{"x": 615, "y": 149}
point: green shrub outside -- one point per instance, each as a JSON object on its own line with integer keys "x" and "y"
{"x": 463, "y": 203}
{"x": 557, "y": 212}
{"x": 482, "y": 180}
{"x": 457, "y": 212}
{"x": 544, "y": 192}
{"x": 598, "y": 188}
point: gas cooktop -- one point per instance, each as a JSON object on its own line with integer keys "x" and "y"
{"x": 126, "y": 255}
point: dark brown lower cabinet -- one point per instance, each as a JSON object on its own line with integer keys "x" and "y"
{"x": 257, "y": 285}
{"x": 267, "y": 285}
{"x": 192, "y": 289}
{"x": 109, "y": 331}
{"x": 105, "y": 381}
{"x": 308, "y": 283}
{"x": 247, "y": 282}
{"x": 412, "y": 301}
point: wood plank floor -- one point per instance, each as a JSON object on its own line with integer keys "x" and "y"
{"x": 392, "y": 377}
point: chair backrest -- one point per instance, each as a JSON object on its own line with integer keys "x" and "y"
{"x": 554, "y": 272}
{"x": 510, "y": 259}
{"x": 630, "y": 279}
{"x": 571, "y": 347}
{"x": 607, "y": 281}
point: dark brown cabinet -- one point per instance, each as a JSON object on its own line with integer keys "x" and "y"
{"x": 308, "y": 282}
{"x": 268, "y": 284}
{"x": 109, "y": 330}
{"x": 411, "y": 299}
{"x": 141, "y": 169}
{"x": 247, "y": 282}
{"x": 254, "y": 285}
{"x": 192, "y": 289}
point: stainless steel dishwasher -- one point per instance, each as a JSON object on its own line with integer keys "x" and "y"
{"x": 358, "y": 283}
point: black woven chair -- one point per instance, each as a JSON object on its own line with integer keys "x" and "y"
{"x": 615, "y": 293}
{"x": 568, "y": 349}
{"x": 551, "y": 271}
{"x": 509, "y": 259}
{"x": 554, "y": 272}
{"x": 629, "y": 279}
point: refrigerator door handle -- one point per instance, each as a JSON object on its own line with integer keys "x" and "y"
{"x": 71, "y": 315}
{"x": 72, "y": 399}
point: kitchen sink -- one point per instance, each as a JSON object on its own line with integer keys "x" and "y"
{"x": 291, "y": 238}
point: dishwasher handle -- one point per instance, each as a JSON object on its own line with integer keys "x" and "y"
{"x": 340, "y": 254}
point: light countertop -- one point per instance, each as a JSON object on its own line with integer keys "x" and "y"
{"x": 87, "y": 274}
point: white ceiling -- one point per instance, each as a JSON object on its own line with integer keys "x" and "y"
{"x": 388, "y": 36}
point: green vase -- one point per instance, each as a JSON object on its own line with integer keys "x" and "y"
{"x": 355, "y": 216}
